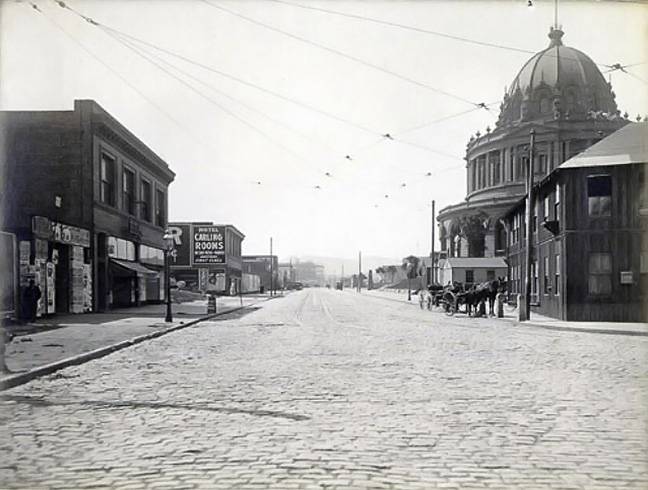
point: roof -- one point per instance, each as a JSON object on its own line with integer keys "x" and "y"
{"x": 626, "y": 146}
{"x": 477, "y": 262}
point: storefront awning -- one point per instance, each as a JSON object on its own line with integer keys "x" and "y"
{"x": 132, "y": 268}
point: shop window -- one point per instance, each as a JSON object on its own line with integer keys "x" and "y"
{"x": 643, "y": 190}
{"x": 557, "y": 274}
{"x": 600, "y": 274}
{"x": 119, "y": 248}
{"x": 146, "y": 201}
{"x": 599, "y": 195}
{"x": 160, "y": 206}
{"x": 107, "y": 191}
{"x": 470, "y": 276}
{"x": 128, "y": 184}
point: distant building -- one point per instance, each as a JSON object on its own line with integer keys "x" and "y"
{"x": 286, "y": 273}
{"x": 87, "y": 201}
{"x": 207, "y": 257}
{"x": 562, "y": 95}
{"x": 264, "y": 266}
{"x": 472, "y": 270}
{"x": 590, "y": 234}
{"x": 309, "y": 273}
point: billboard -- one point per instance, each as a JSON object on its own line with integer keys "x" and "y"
{"x": 208, "y": 244}
{"x": 181, "y": 255}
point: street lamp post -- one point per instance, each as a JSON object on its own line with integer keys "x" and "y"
{"x": 168, "y": 248}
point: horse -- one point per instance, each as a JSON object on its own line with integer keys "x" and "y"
{"x": 488, "y": 291}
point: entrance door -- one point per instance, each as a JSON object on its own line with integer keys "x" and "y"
{"x": 62, "y": 280}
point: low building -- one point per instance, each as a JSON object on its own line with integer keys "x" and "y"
{"x": 264, "y": 266}
{"x": 472, "y": 270}
{"x": 286, "y": 274}
{"x": 87, "y": 201}
{"x": 207, "y": 257}
{"x": 589, "y": 234}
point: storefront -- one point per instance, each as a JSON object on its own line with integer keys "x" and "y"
{"x": 57, "y": 258}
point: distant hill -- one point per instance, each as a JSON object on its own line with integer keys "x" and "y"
{"x": 333, "y": 265}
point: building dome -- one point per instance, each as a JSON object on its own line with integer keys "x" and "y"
{"x": 557, "y": 83}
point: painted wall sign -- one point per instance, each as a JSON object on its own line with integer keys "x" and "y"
{"x": 208, "y": 244}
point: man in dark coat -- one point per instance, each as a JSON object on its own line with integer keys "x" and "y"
{"x": 31, "y": 295}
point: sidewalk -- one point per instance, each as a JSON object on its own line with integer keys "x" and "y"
{"x": 65, "y": 336}
{"x": 538, "y": 321}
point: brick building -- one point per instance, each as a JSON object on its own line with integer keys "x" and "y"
{"x": 87, "y": 201}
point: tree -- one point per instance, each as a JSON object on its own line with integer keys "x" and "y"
{"x": 392, "y": 269}
{"x": 410, "y": 265}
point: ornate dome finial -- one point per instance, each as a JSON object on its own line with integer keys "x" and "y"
{"x": 555, "y": 34}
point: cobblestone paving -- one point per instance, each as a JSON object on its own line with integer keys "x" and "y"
{"x": 328, "y": 389}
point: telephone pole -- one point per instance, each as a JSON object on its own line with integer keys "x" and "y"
{"x": 432, "y": 262}
{"x": 359, "y": 271}
{"x": 271, "y": 269}
{"x": 526, "y": 315}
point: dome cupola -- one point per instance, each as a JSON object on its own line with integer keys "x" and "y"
{"x": 559, "y": 82}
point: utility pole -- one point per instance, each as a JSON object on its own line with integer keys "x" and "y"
{"x": 529, "y": 230}
{"x": 271, "y": 268}
{"x": 432, "y": 262}
{"x": 359, "y": 271}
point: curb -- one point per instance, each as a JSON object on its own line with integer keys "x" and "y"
{"x": 38, "y": 372}
{"x": 603, "y": 331}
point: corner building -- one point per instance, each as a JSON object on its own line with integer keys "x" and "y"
{"x": 563, "y": 96}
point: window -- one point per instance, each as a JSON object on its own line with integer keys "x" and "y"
{"x": 146, "y": 201}
{"x": 557, "y": 275}
{"x": 120, "y": 248}
{"x": 547, "y": 277}
{"x": 128, "y": 185}
{"x": 107, "y": 191}
{"x": 545, "y": 105}
{"x": 600, "y": 274}
{"x": 490, "y": 275}
{"x": 160, "y": 215}
{"x": 534, "y": 280}
{"x": 546, "y": 210}
{"x": 557, "y": 203}
{"x": 470, "y": 276}
{"x": 542, "y": 164}
{"x": 643, "y": 191}
{"x": 599, "y": 195}
{"x": 534, "y": 218}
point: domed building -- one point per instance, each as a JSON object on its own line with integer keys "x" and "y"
{"x": 562, "y": 95}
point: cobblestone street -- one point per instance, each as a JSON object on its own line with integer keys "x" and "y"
{"x": 330, "y": 389}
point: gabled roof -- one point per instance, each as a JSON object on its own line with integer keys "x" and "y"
{"x": 626, "y": 146}
{"x": 477, "y": 262}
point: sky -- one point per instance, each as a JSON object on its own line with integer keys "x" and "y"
{"x": 255, "y": 105}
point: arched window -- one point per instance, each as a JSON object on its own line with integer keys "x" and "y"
{"x": 545, "y": 105}
{"x": 571, "y": 100}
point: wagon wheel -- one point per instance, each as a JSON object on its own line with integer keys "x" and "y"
{"x": 450, "y": 303}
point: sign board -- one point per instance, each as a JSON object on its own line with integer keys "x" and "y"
{"x": 8, "y": 283}
{"x": 626, "y": 277}
{"x": 208, "y": 245}
{"x": 203, "y": 276}
{"x": 181, "y": 254}
{"x": 58, "y": 232}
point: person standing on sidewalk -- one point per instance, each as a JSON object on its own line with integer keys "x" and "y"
{"x": 30, "y": 298}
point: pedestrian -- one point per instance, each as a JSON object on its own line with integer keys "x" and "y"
{"x": 30, "y": 297}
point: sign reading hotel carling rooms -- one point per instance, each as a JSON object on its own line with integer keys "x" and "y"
{"x": 208, "y": 244}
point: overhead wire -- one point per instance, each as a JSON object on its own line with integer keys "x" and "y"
{"x": 120, "y": 33}
{"x": 403, "y": 26}
{"x": 171, "y": 118}
{"x": 341, "y": 54}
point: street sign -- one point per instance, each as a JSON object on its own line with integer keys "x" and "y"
{"x": 208, "y": 245}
